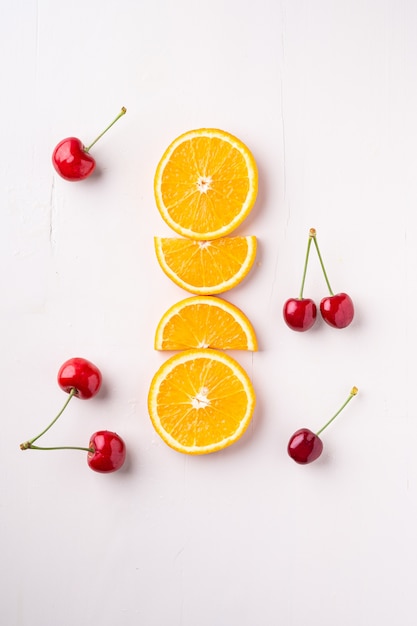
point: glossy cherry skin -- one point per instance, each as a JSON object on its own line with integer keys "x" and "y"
{"x": 305, "y": 446}
{"x": 299, "y": 313}
{"x": 71, "y": 161}
{"x": 337, "y": 310}
{"x": 109, "y": 452}
{"x": 81, "y": 375}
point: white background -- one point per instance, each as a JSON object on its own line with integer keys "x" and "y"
{"x": 324, "y": 94}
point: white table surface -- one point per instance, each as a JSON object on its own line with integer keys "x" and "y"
{"x": 324, "y": 94}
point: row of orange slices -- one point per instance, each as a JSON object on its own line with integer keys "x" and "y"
{"x": 201, "y": 399}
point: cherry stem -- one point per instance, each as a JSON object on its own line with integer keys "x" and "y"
{"x": 352, "y": 394}
{"x": 122, "y": 112}
{"x": 60, "y": 448}
{"x": 300, "y": 297}
{"x": 313, "y": 236}
{"x": 28, "y": 444}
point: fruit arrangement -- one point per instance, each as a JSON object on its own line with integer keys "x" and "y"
{"x": 106, "y": 451}
{"x": 201, "y": 400}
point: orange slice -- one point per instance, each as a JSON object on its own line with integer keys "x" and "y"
{"x": 200, "y": 401}
{"x": 205, "y": 322}
{"x": 205, "y": 184}
{"x": 206, "y": 267}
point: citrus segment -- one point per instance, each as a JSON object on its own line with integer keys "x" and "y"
{"x": 205, "y": 322}
{"x": 206, "y": 267}
{"x": 200, "y": 401}
{"x": 205, "y": 184}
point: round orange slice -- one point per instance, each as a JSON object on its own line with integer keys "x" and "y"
{"x": 205, "y": 322}
{"x": 206, "y": 267}
{"x": 206, "y": 184}
{"x": 201, "y": 401}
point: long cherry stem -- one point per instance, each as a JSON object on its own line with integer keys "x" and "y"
{"x": 28, "y": 444}
{"x": 313, "y": 236}
{"x": 61, "y": 448}
{"x": 122, "y": 112}
{"x": 300, "y": 297}
{"x": 352, "y": 394}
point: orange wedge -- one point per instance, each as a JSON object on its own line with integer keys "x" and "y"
{"x": 205, "y": 184}
{"x": 205, "y": 322}
{"x": 200, "y": 401}
{"x": 206, "y": 267}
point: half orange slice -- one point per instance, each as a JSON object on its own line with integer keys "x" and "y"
{"x": 205, "y": 322}
{"x": 206, "y": 267}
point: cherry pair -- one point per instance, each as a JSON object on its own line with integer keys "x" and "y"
{"x": 336, "y": 309}
{"x": 72, "y": 160}
{"x": 106, "y": 451}
{"x": 305, "y": 446}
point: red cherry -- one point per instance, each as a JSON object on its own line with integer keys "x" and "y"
{"x": 71, "y": 158}
{"x": 300, "y": 313}
{"x": 80, "y": 375}
{"x": 337, "y": 310}
{"x": 108, "y": 452}
{"x": 305, "y": 446}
